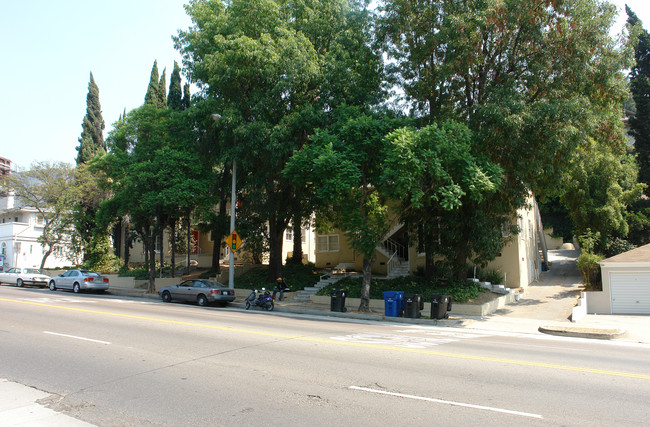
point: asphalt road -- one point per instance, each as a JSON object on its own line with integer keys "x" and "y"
{"x": 112, "y": 361}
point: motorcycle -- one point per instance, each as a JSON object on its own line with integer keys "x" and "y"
{"x": 261, "y": 299}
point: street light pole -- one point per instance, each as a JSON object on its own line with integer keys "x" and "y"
{"x": 233, "y": 200}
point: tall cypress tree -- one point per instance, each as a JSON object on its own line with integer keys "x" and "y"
{"x": 175, "y": 96}
{"x": 153, "y": 93}
{"x": 640, "y": 88}
{"x": 91, "y": 141}
{"x": 186, "y": 97}
{"x": 162, "y": 90}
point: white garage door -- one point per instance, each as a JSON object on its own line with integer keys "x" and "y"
{"x": 630, "y": 292}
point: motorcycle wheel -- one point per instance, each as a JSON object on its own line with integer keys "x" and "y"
{"x": 248, "y": 305}
{"x": 269, "y": 306}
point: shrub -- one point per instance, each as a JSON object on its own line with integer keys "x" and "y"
{"x": 139, "y": 273}
{"x": 588, "y": 265}
{"x": 296, "y": 276}
{"x": 493, "y": 276}
{"x": 460, "y": 291}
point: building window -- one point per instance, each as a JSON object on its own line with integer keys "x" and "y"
{"x": 288, "y": 234}
{"x": 4, "y": 248}
{"x": 329, "y": 243}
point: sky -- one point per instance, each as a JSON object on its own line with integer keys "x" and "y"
{"x": 50, "y": 47}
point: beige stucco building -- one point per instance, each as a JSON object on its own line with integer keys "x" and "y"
{"x": 520, "y": 260}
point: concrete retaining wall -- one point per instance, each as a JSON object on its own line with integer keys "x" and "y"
{"x": 457, "y": 309}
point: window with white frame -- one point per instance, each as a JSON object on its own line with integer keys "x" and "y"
{"x": 288, "y": 234}
{"x": 327, "y": 243}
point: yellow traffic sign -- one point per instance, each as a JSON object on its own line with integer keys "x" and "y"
{"x": 234, "y": 241}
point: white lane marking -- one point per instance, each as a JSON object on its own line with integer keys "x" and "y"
{"x": 405, "y": 341}
{"x": 76, "y": 337}
{"x": 448, "y": 402}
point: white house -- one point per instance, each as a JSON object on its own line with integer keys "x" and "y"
{"x": 20, "y": 228}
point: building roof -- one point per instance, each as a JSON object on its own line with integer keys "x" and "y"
{"x": 638, "y": 255}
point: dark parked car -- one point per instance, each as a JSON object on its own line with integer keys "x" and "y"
{"x": 79, "y": 280}
{"x": 202, "y": 291}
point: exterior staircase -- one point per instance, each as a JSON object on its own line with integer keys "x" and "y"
{"x": 325, "y": 280}
{"x": 400, "y": 269}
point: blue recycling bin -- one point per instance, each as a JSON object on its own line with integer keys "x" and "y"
{"x": 393, "y": 303}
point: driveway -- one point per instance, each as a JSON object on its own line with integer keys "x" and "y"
{"x": 554, "y": 294}
{"x": 551, "y": 298}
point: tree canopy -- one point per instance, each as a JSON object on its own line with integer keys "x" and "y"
{"x": 268, "y": 71}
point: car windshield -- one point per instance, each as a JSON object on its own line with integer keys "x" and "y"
{"x": 212, "y": 284}
{"x": 32, "y": 271}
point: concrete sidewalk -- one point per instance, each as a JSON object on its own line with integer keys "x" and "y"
{"x": 19, "y": 407}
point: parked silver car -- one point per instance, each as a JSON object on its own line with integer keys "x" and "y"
{"x": 202, "y": 291}
{"x": 24, "y": 276}
{"x": 79, "y": 280}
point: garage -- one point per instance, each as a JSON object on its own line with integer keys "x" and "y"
{"x": 626, "y": 284}
{"x": 630, "y": 292}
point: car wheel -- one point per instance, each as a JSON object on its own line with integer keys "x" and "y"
{"x": 52, "y": 285}
{"x": 269, "y": 306}
{"x": 248, "y": 304}
{"x": 202, "y": 300}
{"x": 19, "y": 283}
{"x": 166, "y": 296}
{"x": 76, "y": 288}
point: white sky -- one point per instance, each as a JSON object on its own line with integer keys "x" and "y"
{"x": 50, "y": 47}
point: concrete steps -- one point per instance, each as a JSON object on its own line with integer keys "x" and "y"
{"x": 402, "y": 269}
{"x": 326, "y": 280}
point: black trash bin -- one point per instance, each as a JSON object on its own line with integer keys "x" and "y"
{"x": 440, "y": 305}
{"x": 338, "y": 301}
{"x": 413, "y": 304}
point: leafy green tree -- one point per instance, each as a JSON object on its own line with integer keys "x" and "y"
{"x": 152, "y": 154}
{"x": 361, "y": 166}
{"x": 266, "y": 70}
{"x": 91, "y": 141}
{"x": 50, "y": 189}
{"x": 640, "y": 88}
{"x": 433, "y": 172}
{"x": 600, "y": 186}
{"x": 533, "y": 82}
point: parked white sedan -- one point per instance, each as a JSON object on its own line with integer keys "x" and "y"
{"x": 24, "y": 276}
{"x": 79, "y": 280}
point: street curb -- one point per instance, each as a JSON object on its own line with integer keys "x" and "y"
{"x": 578, "y": 332}
{"x": 317, "y": 312}
{"x": 557, "y": 330}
